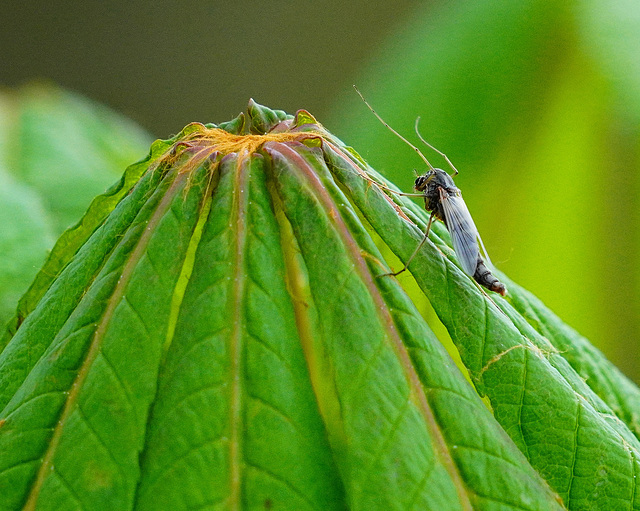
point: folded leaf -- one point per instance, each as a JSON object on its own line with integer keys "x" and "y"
{"x": 606, "y": 380}
{"x": 222, "y": 335}
{"x": 567, "y": 432}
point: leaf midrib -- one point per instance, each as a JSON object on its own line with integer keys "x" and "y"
{"x": 236, "y": 423}
{"x": 98, "y": 337}
{"x": 385, "y": 317}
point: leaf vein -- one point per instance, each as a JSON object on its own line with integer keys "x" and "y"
{"x": 125, "y": 391}
{"x": 574, "y": 453}
{"x": 277, "y": 410}
{"x": 170, "y": 414}
{"x": 388, "y": 437}
{"x": 279, "y": 356}
{"x": 172, "y": 465}
{"x": 127, "y": 302}
{"x": 207, "y": 338}
{"x": 18, "y": 465}
{"x": 236, "y": 346}
{"x": 118, "y": 464}
{"x": 287, "y": 483}
{"x": 32, "y": 398}
{"x": 69, "y": 488}
{"x": 152, "y": 264}
{"x": 491, "y": 454}
{"x": 523, "y": 388}
{"x": 358, "y": 380}
{"x": 420, "y": 486}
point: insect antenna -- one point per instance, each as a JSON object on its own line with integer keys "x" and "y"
{"x": 395, "y": 132}
{"x": 455, "y": 170}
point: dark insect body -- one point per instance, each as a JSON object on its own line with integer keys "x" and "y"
{"x": 443, "y": 198}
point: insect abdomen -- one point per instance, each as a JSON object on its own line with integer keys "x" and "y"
{"x": 484, "y": 277}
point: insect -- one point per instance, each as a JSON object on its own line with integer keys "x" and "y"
{"x": 444, "y": 199}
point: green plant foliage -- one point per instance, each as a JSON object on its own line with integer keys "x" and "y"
{"x": 57, "y": 151}
{"x": 538, "y": 104}
{"x": 223, "y": 337}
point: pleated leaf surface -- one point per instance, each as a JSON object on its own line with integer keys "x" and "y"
{"x": 217, "y": 333}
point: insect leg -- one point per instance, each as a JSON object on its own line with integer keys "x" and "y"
{"x": 364, "y": 176}
{"x": 406, "y": 265}
{"x": 383, "y": 187}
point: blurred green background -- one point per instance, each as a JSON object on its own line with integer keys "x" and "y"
{"x": 536, "y": 102}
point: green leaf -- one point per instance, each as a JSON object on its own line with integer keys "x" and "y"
{"x": 26, "y": 235}
{"x": 70, "y": 149}
{"x": 379, "y": 346}
{"x": 537, "y": 103}
{"x": 222, "y": 335}
{"x": 525, "y": 377}
{"x": 264, "y": 119}
{"x": 75, "y": 237}
{"x": 606, "y": 380}
{"x": 57, "y": 151}
{"x": 235, "y": 126}
{"x": 92, "y": 390}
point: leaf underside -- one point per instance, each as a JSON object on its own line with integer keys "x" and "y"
{"x": 222, "y": 339}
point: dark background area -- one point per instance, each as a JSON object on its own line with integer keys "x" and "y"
{"x": 165, "y": 64}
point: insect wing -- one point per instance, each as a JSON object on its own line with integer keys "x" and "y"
{"x": 487, "y": 259}
{"x": 464, "y": 233}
